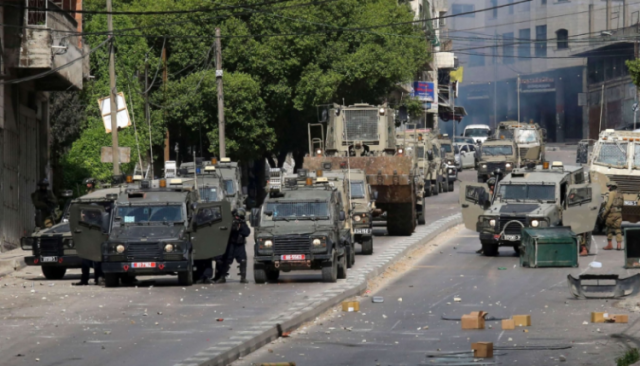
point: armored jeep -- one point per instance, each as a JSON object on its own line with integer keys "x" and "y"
{"x": 450, "y": 172}
{"x": 217, "y": 180}
{"x": 534, "y": 196}
{"x": 529, "y": 138}
{"x": 616, "y": 157}
{"x": 301, "y": 226}
{"x": 498, "y": 157}
{"x": 143, "y": 230}
{"x": 435, "y": 175}
{"x": 232, "y": 180}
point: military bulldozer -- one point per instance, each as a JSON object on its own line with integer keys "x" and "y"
{"x": 362, "y": 136}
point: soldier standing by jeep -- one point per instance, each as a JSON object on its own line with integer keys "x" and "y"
{"x": 236, "y": 248}
{"x": 46, "y": 204}
{"x": 612, "y": 215}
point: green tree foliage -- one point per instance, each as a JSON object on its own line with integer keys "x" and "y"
{"x": 634, "y": 70}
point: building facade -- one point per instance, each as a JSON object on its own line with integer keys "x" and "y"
{"x": 523, "y": 60}
{"x": 32, "y": 42}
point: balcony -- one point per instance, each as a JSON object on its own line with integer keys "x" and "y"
{"x": 50, "y": 41}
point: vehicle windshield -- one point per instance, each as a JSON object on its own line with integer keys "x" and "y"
{"x": 476, "y": 132}
{"x": 535, "y": 192}
{"x": 145, "y": 214}
{"x": 298, "y": 210}
{"x": 636, "y": 156}
{"x": 612, "y": 153}
{"x": 209, "y": 194}
{"x": 507, "y": 133}
{"x": 357, "y": 190}
{"x": 497, "y": 150}
{"x": 527, "y": 136}
{"x": 420, "y": 152}
{"x": 446, "y": 148}
{"x": 229, "y": 187}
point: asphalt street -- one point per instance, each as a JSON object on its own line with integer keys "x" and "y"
{"x": 157, "y": 320}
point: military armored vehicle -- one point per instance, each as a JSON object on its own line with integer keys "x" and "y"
{"x": 616, "y": 157}
{"x": 232, "y": 180}
{"x": 144, "y": 230}
{"x": 301, "y": 226}
{"x": 498, "y": 157}
{"x": 529, "y": 138}
{"x": 217, "y": 180}
{"x": 435, "y": 176}
{"x": 534, "y": 196}
{"x": 411, "y": 142}
{"x": 53, "y": 248}
{"x": 365, "y": 134}
{"x": 450, "y": 172}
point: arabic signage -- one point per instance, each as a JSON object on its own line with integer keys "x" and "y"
{"x": 537, "y": 84}
{"x": 424, "y": 91}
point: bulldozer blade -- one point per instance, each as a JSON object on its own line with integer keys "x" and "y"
{"x": 622, "y": 287}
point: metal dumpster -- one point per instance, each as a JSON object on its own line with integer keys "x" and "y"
{"x": 549, "y": 247}
{"x": 632, "y": 247}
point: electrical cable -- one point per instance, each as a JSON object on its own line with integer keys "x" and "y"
{"x": 54, "y": 70}
{"x": 157, "y": 69}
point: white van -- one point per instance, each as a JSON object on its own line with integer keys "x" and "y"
{"x": 479, "y": 133}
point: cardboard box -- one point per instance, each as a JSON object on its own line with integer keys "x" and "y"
{"x": 599, "y": 317}
{"x": 475, "y": 320}
{"x": 620, "y": 318}
{"x": 508, "y": 324}
{"x": 482, "y": 349}
{"x": 522, "y": 320}
{"x": 350, "y": 306}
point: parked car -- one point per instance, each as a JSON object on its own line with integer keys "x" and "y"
{"x": 466, "y": 156}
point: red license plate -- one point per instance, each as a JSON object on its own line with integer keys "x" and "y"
{"x": 144, "y": 265}
{"x": 292, "y": 257}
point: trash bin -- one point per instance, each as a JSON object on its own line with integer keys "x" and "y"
{"x": 632, "y": 247}
{"x": 549, "y": 247}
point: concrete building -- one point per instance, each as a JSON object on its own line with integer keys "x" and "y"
{"x": 32, "y": 42}
{"x": 534, "y": 46}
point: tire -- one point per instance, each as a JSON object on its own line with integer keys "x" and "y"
{"x": 260, "y": 275}
{"x": 342, "y": 267}
{"x": 490, "y": 249}
{"x": 53, "y": 273}
{"x": 400, "y": 219}
{"x": 111, "y": 280}
{"x": 451, "y": 186}
{"x": 516, "y": 249}
{"x": 351, "y": 258}
{"x": 428, "y": 191}
{"x": 186, "y": 278}
{"x": 436, "y": 187}
{"x": 272, "y": 275}
{"x": 421, "y": 215}
{"x": 330, "y": 270}
{"x": 445, "y": 185}
{"x": 367, "y": 246}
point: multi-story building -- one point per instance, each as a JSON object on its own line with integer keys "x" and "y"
{"x": 34, "y": 45}
{"x": 522, "y": 60}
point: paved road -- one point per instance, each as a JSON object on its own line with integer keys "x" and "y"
{"x": 157, "y": 321}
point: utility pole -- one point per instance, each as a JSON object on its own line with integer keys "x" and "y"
{"x": 165, "y": 77}
{"x": 495, "y": 80}
{"x": 518, "y": 86}
{"x": 114, "y": 95}
{"x": 221, "y": 132}
{"x": 147, "y": 114}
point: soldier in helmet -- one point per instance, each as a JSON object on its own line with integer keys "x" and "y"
{"x": 46, "y": 204}
{"x": 612, "y": 215}
{"x": 91, "y": 185}
{"x": 235, "y": 248}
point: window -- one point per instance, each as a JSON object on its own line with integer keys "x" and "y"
{"x": 524, "y": 45}
{"x": 494, "y": 3}
{"x": 579, "y": 196}
{"x": 298, "y": 210}
{"x": 510, "y": 7}
{"x": 357, "y": 189}
{"x": 497, "y": 150}
{"x": 229, "y": 187}
{"x": 507, "y": 48}
{"x": 562, "y": 36}
{"x": 463, "y": 8}
{"x": 163, "y": 213}
{"x": 208, "y": 215}
{"x": 209, "y": 194}
{"x": 541, "y": 41}
{"x": 614, "y": 154}
{"x": 533, "y": 192}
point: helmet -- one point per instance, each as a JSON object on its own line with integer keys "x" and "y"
{"x": 612, "y": 184}
{"x": 89, "y": 181}
{"x": 240, "y": 211}
{"x": 43, "y": 182}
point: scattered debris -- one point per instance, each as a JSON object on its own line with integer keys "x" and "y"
{"x": 400, "y": 299}
{"x": 457, "y": 299}
{"x": 219, "y": 319}
{"x": 377, "y": 299}
{"x": 502, "y": 268}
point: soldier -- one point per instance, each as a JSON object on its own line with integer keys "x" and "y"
{"x": 235, "y": 249}
{"x": 91, "y": 185}
{"x": 612, "y": 215}
{"x": 46, "y": 204}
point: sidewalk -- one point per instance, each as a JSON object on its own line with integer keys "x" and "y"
{"x": 12, "y": 260}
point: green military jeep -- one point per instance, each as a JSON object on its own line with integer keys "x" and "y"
{"x": 498, "y": 157}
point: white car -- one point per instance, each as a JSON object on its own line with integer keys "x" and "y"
{"x": 465, "y": 156}
{"x": 479, "y": 133}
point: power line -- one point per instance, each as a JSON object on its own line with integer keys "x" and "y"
{"x": 54, "y": 70}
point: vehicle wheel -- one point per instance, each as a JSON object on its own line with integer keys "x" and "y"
{"x": 451, "y": 186}
{"x": 490, "y": 249}
{"x": 330, "y": 270}
{"x": 367, "y": 246}
{"x": 111, "y": 280}
{"x": 421, "y": 215}
{"x": 342, "y": 267}
{"x": 53, "y": 273}
{"x": 516, "y": 248}
{"x": 186, "y": 278}
{"x": 400, "y": 220}
{"x": 272, "y": 275}
{"x": 351, "y": 259}
{"x": 445, "y": 185}
{"x": 260, "y": 275}
{"x": 427, "y": 189}
{"x": 436, "y": 187}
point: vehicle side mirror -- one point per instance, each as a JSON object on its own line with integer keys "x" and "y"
{"x": 342, "y": 216}
{"x": 374, "y": 195}
{"x": 268, "y": 213}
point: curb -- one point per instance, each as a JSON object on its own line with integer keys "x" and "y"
{"x": 250, "y": 339}
{"x": 9, "y": 266}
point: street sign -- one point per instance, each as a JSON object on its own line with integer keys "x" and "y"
{"x": 123, "y": 114}
{"x": 106, "y": 154}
